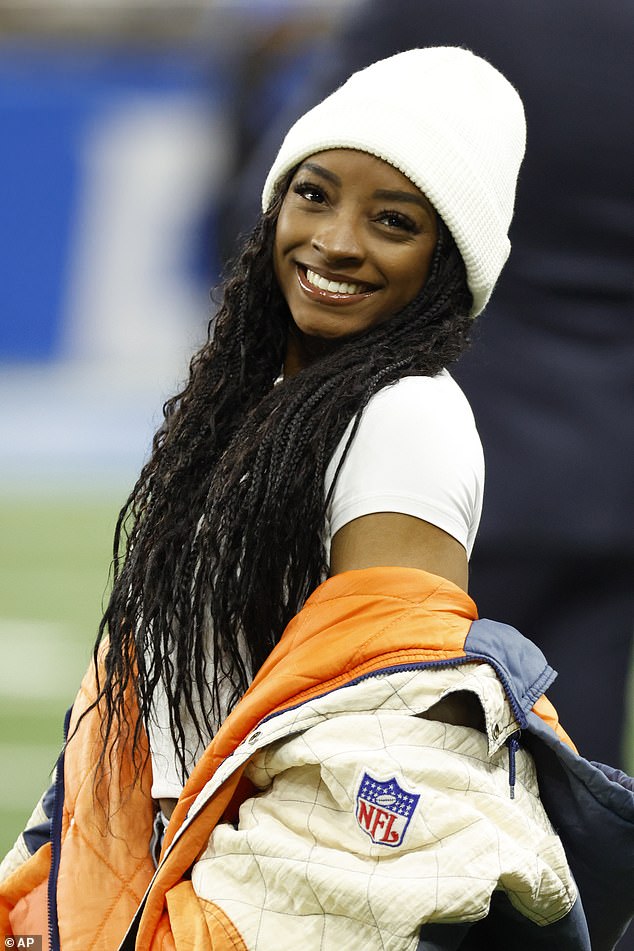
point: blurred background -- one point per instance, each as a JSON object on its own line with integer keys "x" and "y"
{"x": 118, "y": 138}
{"x": 116, "y": 134}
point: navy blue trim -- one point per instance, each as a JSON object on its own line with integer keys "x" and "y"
{"x": 48, "y": 801}
{"x": 523, "y": 669}
{"x": 382, "y": 672}
{"x": 56, "y": 843}
{"x": 36, "y": 836}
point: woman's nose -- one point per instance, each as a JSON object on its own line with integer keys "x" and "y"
{"x": 338, "y": 239}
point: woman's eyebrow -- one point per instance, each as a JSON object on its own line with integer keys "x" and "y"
{"x": 385, "y": 194}
{"x": 388, "y": 194}
{"x": 320, "y": 170}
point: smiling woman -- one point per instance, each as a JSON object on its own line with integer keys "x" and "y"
{"x": 353, "y": 245}
{"x": 293, "y": 710}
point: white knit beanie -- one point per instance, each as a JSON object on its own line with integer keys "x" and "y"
{"x": 451, "y": 123}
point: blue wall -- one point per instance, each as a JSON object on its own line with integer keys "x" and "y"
{"x": 49, "y": 101}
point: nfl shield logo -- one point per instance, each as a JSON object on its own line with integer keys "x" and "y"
{"x": 384, "y": 810}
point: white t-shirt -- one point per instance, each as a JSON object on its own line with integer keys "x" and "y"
{"x": 416, "y": 452}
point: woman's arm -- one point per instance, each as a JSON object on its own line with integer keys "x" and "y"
{"x": 393, "y": 539}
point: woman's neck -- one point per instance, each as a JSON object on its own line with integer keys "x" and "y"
{"x": 302, "y": 351}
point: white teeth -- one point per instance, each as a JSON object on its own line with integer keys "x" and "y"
{"x": 334, "y": 287}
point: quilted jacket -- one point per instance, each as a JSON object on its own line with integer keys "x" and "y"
{"x": 96, "y": 883}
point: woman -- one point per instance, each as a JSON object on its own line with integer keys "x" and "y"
{"x": 289, "y": 633}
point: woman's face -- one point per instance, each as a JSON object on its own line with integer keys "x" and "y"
{"x": 353, "y": 245}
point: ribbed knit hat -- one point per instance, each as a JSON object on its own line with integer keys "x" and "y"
{"x": 451, "y": 123}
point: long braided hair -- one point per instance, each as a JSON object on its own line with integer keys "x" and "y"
{"x": 220, "y": 541}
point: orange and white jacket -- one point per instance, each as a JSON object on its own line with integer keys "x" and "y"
{"x": 330, "y": 812}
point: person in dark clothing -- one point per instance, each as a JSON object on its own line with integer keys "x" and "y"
{"x": 550, "y": 375}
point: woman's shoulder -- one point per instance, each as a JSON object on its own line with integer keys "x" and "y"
{"x": 418, "y": 424}
{"x": 416, "y": 451}
{"x": 441, "y": 386}
{"x": 421, "y": 401}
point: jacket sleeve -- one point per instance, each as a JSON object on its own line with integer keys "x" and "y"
{"x": 24, "y": 873}
{"x": 37, "y": 833}
{"x": 592, "y": 808}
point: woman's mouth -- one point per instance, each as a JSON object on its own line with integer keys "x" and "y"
{"x": 339, "y": 292}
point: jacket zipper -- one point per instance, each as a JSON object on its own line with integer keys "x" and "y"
{"x": 513, "y": 745}
{"x": 56, "y": 843}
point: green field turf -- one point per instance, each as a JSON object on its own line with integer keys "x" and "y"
{"x": 54, "y": 565}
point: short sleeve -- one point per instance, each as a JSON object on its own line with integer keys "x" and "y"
{"x": 417, "y": 452}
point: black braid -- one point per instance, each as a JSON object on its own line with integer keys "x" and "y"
{"x": 223, "y": 530}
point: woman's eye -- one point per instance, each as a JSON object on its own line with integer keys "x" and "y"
{"x": 309, "y": 191}
{"x": 397, "y": 220}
